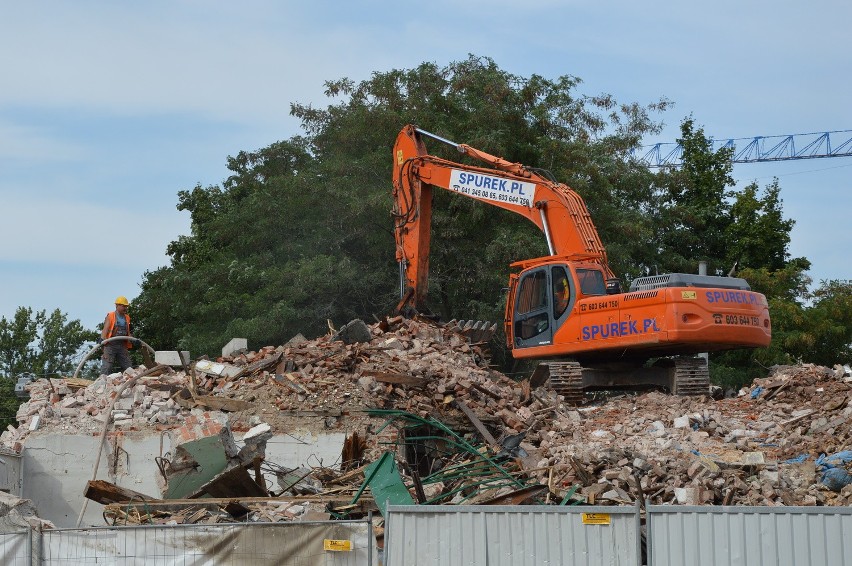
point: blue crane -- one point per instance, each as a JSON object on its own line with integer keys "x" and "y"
{"x": 760, "y": 148}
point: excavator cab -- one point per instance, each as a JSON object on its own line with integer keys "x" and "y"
{"x": 541, "y": 298}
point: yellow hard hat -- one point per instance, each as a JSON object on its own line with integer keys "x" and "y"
{"x": 121, "y": 301}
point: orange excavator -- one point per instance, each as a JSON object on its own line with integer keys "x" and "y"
{"x": 568, "y": 308}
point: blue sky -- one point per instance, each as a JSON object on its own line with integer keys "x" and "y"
{"x": 108, "y": 109}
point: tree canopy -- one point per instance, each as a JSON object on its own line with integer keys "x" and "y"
{"x": 38, "y": 343}
{"x": 300, "y": 234}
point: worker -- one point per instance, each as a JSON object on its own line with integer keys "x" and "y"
{"x": 117, "y": 323}
{"x": 561, "y": 294}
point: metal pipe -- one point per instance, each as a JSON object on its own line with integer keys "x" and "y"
{"x": 107, "y": 341}
{"x": 544, "y": 224}
{"x": 440, "y": 139}
{"x": 108, "y": 412}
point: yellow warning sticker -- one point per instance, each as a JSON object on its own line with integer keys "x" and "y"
{"x": 596, "y": 519}
{"x": 337, "y": 545}
{"x": 691, "y": 295}
{"x": 399, "y": 158}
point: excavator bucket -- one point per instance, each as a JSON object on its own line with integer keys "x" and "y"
{"x": 476, "y": 331}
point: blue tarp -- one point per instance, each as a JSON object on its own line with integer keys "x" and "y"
{"x": 838, "y": 459}
{"x": 836, "y": 479}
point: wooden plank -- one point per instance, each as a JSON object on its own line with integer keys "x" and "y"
{"x": 355, "y": 474}
{"x": 482, "y": 389}
{"x": 517, "y": 497}
{"x": 365, "y": 503}
{"x": 477, "y": 423}
{"x": 105, "y": 493}
{"x": 258, "y": 366}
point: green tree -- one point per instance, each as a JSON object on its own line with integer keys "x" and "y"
{"x": 758, "y": 234}
{"x": 17, "y": 341}
{"x": 59, "y": 343}
{"x": 829, "y": 322}
{"x": 694, "y": 210}
{"x": 9, "y": 402}
{"x": 301, "y": 232}
{"x": 38, "y": 343}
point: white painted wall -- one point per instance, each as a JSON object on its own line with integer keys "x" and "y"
{"x": 10, "y": 474}
{"x": 56, "y": 467}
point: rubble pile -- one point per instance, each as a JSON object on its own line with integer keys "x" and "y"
{"x": 464, "y": 433}
{"x": 772, "y": 445}
{"x": 16, "y": 513}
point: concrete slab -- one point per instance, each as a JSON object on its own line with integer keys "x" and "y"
{"x": 171, "y": 357}
{"x": 234, "y": 346}
{"x": 218, "y": 369}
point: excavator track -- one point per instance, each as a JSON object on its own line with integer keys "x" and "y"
{"x": 566, "y": 378}
{"x": 691, "y": 377}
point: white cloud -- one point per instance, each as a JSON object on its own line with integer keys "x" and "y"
{"x": 209, "y": 60}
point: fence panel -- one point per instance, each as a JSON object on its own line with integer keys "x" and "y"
{"x": 747, "y": 536}
{"x": 281, "y": 544}
{"x": 15, "y": 548}
{"x": 511, "y": 535}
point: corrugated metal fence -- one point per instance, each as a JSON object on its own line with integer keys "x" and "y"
{"x": 676, "y": 536}
{"x": 470, "y": 535}
{"x": 748, "y": 536}
{"x": 511, "y": 535}
{"x": 280, "y": 544}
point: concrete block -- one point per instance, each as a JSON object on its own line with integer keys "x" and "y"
{"x": 231, "y": 371}
{"x": 214, "y": 368}
{"x": 353, "y": 332}
{"x": 209, "y": 367}
{"x": 70, "y": 402}
{"x": 171, "y": 357}
{"x": 688, "y": 495}
{"x": 234, "y": 346}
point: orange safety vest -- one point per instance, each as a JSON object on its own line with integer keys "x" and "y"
{"x": 110, "y": 326}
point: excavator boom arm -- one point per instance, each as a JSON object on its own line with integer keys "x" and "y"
{"x": 553, "y": 207}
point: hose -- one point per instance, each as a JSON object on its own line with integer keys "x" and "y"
{"x": 108, "y": 412}
{"x": 107, "y": 341}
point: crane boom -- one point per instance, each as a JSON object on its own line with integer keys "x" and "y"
{"x": 813, "y": 145}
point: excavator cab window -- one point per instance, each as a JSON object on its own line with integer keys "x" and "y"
{"x": 591, "y": 282}
{"x": 532, "y": 316}
{"x": 561, "y": 291}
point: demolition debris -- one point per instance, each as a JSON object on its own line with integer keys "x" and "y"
{"x": 427, "y": 421}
